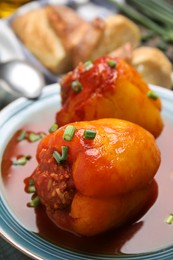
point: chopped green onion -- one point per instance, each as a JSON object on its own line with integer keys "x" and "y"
{"x": 69, "y": 133}
{"x": 21, "y": 136}
{"x": 31, "y": 189}
{"x": 31, "y": 136}
{"x": 53, "y": 128}
{"x": 42, "y": 135}
{"x": 169, "y": 219}
{"x": 22, "y": 160}
{"x": 151, "y": 94}
{"x": 76, "y": 86}
{"x": 61, "y": 158}
{"x": 112, "y": 63}
{"x": 89, "y": 134}
{"x": 35, "y": 137}
{"x": 31, "y": 182}
{"x": 165, "y": 32}
{"x": 88, "y": 65}
{"x": 28, "y": 157}
{"x": 35, "y": 202}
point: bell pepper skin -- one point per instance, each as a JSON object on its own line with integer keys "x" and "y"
{"x": 109, "y": 92}
{"x": 104, "y": 183}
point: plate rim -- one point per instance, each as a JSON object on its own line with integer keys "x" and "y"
{"x": 22, "y": 103}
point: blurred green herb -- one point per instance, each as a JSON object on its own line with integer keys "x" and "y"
{"x": 53, "y": 128}
{"x": 21, "y": 136}
{"x": 169, "y": 219}
{"x": 34, "y": 202}
{"x": 32, "y": 137}
{"x": 35, "y": 137}
{"x": 155, "y": 15}
{"x": 22, "y": 160}
{"x": 162, "y": 45}
{"x": 147, "y": 36}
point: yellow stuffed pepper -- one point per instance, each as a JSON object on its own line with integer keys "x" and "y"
{"x": 95, "y": 176}
{"x": 109, "y": 88}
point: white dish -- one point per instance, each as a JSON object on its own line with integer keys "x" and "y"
{"x": 15, "y": 228}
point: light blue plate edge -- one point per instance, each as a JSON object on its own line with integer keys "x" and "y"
{"x": 30, "y": 243}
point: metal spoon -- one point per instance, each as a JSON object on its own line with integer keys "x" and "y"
{"x": 21, "y": 78}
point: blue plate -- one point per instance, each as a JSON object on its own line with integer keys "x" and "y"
{"x": 14, "y": 117}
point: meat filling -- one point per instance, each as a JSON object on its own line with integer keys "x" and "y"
{"x": 54, "y": 182}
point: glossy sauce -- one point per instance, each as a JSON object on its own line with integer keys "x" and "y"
{"x": 149, "y": 233}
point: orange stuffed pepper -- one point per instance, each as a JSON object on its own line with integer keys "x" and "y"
{"x": 109, "y": 88}
{"x": 95, "y": 176}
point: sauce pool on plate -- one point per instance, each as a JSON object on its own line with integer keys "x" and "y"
{"x": 149, "y": 233}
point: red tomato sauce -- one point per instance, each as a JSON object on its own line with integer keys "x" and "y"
{"x": 149, "y": 233}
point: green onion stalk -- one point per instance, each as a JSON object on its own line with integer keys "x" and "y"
{"x": 161, "y": 11}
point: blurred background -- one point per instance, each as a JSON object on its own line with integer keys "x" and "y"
{"x": 7, "y": 7}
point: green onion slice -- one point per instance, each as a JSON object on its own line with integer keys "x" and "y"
{"x": 112, "y": 63}
{"x": 22, "y": 160}
{"x": 76, "y": 86}
{"x": 42, "y": 135}
{"x": 61, "y": 158}
{"x": 28, "y": 157}
{"x": 151, "y": 94}
{"x": 35, "y": 202}
{"x": 21, "y": 136}
{"x": 31, "y": 136}
{"x": 31, "y": 189}
{"x": 88, "y": 65}
{"x": 53, "y": 128}
{"x": 89, "y": 134}
{"x": 31, "y": 182}
{"x": 69, "y": 133}
{"x": 169, "y": 219}
{"x": 35, "y": 137}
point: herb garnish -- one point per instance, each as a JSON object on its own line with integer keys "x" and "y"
{"x": 69, "y": 133}
{"x": 88, "y": 65}
{"x": 151, "y": 94}
{"x": 76, "y": 86}
{"x": 34, "y": 202}
{"x": 22, "y": 160}
{"x": 61, "y": 158}
{"x": 21, "y": 136}
{"x": 169, "y": 219}
{"x": 89, "y": 134}
{"x": 53, "y": 128}
{"x": 112, "y": 63}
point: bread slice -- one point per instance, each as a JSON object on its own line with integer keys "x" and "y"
{"x": 71, "y": 29}
{"x": 153, "y": 65}
{"x": 52, "y": 32}
{"x": 117, "y": 31}
{"x": 60, "y": 38}
{"x": 35, "y": 31}
{"x": 69, "y": 26}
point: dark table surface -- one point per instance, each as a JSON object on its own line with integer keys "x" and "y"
{"x": 8, "y": 252}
